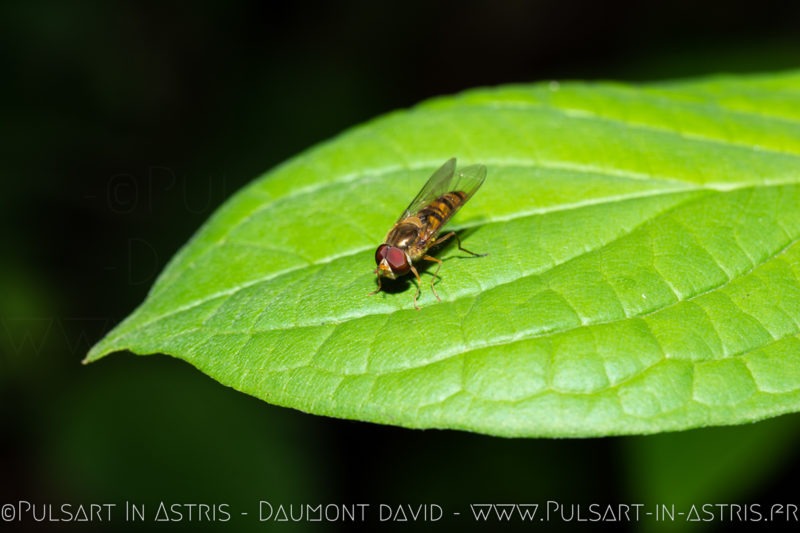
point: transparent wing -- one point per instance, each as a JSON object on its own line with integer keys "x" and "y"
{"x": 468, "y": 180}
{"x": 436, "y": 185}
{"x": 444, "y": 180}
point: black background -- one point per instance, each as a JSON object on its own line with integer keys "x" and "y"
{"x": 125, "y": 124}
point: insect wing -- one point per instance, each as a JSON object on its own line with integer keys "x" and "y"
{"x": 436, "y": 185}
{"x": 467, "y": 180}
{"x": 445, "y": 180}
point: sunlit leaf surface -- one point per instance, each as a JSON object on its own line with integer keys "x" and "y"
{"x": 643, "y": 271}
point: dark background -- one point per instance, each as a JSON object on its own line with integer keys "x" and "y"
{"x": 124, "y": 126}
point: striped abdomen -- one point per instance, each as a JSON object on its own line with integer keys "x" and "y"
{"x": 438, "y": 212}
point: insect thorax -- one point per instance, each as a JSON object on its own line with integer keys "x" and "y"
{"x": 403, "y": 234}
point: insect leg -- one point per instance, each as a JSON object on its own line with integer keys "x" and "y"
{"x": 376, "y": 291}
{"x": 416, "y": 274}
{"x": 435, "y": 274}
{"x": 443, "y": 238}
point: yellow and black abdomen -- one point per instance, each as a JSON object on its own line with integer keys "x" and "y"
{"x": 439, "y": 211}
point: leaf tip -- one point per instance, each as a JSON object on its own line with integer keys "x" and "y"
{"x": 97, "y": 351}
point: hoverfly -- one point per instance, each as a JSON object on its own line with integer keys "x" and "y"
{"x": 416, "y": 231}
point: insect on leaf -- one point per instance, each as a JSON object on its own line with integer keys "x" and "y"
{"x": 643, "y": 276}
{"x": 418, "y": 228}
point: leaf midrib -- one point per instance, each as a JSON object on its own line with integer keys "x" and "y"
{"x": 529, "y": 334}
{"x": 681, "y": 186}
{"x": 523, "y": 335}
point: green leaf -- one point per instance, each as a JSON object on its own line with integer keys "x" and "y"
{"x": 643, "y": 271}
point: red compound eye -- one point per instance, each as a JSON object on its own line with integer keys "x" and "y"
{"x": 396, "y": 258}
{"x": 380, "y": 253}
